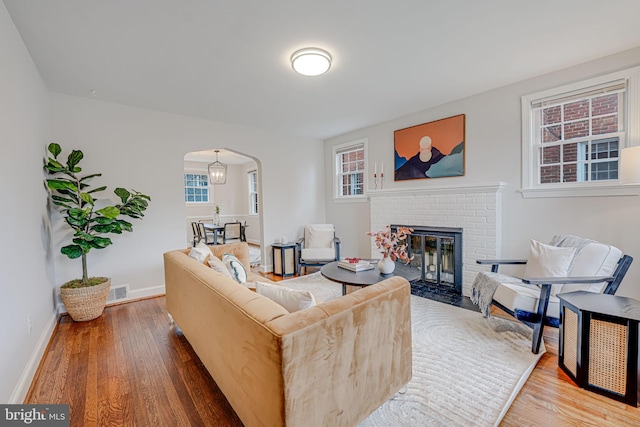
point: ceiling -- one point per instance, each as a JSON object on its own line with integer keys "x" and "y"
{"x": 228, "y": 61}
{"x": 225, "y": 156}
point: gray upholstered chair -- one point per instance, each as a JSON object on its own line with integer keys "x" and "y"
{"x": 318, "y": 247}
{"x": 567, "y": 264}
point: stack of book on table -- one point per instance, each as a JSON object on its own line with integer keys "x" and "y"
{"x": 361, "y": 265}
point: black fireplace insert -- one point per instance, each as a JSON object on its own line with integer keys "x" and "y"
{"x": 437, "y": 253}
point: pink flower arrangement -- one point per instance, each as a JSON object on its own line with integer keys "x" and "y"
{"x": 393, "y": 245}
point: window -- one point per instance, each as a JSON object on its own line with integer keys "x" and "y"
{"x": 572, "y": 135}
{"x": 196, "y": 188}
{"x": 253, "y": 192}
{"x": 350, "y": 169}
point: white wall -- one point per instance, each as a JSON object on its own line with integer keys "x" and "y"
{"x": 253, "y": 221}
{"x": 493, "y": 154}
{"x": 144, "y": 149}
{"x": 26, "y": 268}
{"x": 230, "y": 196}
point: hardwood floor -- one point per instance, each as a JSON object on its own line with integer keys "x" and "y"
{"x": 131, "y": 367}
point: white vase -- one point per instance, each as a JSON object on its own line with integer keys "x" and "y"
{"x": 386, "y": 265}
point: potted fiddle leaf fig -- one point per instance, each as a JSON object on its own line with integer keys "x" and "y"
{"x": 91, "y": 222}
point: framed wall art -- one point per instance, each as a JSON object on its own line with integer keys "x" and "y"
{"x": 430, "y": 150}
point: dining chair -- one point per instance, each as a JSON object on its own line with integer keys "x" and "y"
{"x": 196, "y": 233}
{"x": 232, "y": 231}
{"x": 209, "y": 237}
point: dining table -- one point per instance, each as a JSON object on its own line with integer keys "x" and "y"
{"x": 215, "y": 229}
{"x": 218, "y": 229}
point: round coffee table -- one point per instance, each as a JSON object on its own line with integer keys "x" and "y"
{"x": 368, "y": 277}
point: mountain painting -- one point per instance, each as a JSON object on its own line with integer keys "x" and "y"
{"x": 430, "y": 150}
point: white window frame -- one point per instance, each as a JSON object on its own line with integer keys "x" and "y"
{"x": 252, "y": 180}
{"x": 209, "y": 192}
{"x": 337, "y": 183}
{"x": 531, "y": 188}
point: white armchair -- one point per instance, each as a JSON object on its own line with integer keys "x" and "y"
{"x": 319, "y": 246}
{"x": 567, "y": 264}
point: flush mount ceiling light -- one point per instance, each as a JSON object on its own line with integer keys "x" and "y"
{"x": 217, "y": 171}
{"x": 311, "y": 61}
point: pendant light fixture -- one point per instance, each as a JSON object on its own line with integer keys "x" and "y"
{"x": 217, "y": 172}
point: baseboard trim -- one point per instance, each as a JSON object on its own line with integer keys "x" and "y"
{"x": 29, "y": 372}
{"x": 153, "y": 291}
{"x": 134, "y": 295}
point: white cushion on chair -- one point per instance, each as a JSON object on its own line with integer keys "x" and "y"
{"x": 524, "y": 297}
{"x": 591, "y": 259}
{"x": 548, "y": 261}
{"x": 319, "y": 236}
{"x": 318, "y": 254}
{"x": 595, "y": 259}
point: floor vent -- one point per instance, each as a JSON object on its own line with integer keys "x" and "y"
{"x": 117, "y": 293}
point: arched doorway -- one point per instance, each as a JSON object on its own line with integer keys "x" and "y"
{"x": 238, "y": 199}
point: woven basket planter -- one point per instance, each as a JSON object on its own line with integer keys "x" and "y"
{"x": 86, "y": 303}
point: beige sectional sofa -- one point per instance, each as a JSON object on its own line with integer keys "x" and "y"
{"x": 328, "y": 365}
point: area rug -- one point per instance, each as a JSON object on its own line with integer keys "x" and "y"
{"x": 467, "y": 370}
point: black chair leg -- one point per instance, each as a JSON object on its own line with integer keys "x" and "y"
{"x": 538, "y": 328}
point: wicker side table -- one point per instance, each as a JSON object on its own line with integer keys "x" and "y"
{"x": 598, "y": 345}
{"x": 284, "y": 259}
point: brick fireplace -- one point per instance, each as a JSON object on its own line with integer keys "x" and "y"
{"x": 476, "y": 209}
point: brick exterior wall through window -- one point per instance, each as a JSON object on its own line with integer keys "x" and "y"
{"x": 569, "y": 134}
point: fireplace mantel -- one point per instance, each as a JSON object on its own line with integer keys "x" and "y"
{"x": 467, "y": 188}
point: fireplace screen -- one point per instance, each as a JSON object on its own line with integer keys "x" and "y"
{"x": 437, "y": 253}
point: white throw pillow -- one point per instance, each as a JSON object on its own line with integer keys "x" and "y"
{"x": 200, "y": 252}
{"x": 548, "y": 261}
{"x": 217, "y": 264}
{"x": 235, "y": 268}
{"x": 291, "y": 299}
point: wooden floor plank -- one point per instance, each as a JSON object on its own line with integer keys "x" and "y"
{"x": 132, "y": 367}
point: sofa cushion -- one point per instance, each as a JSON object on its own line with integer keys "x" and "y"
{"x": 219, "y": 266}
{"x": 239, "y": 249}
{"x": 235, "y": 268}
{"x": 291, "y": 299}
{"x": 200, "y": 252}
